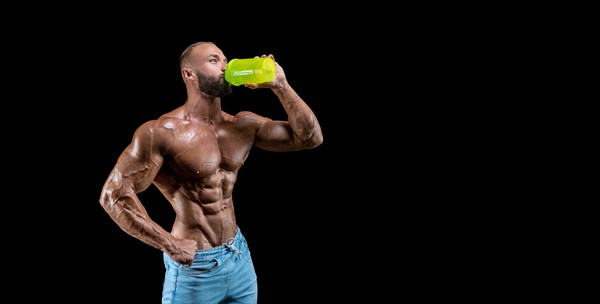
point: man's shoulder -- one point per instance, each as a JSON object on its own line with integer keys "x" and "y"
{"x": 247, "y": 115}
{"x": 161, "y": 123}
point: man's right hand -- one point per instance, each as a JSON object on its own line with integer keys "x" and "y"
{"x": 187, "y": 251}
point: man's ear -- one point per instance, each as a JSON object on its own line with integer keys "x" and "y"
{"x": 188, "y": 74}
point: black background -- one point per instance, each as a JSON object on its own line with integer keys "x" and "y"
{"x": 285, "y": 202}
{"x": 379, "y": 204}
{"x": 308, "y": 216}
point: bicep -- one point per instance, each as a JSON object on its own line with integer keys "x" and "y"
{"x": 137, "y": 167}
{"x": 270, "y": 135}
{"x": 275, "y": 135}
{"x": 139, "y": 163}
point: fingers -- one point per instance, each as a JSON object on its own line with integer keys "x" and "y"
{"x": 264, "y": 56}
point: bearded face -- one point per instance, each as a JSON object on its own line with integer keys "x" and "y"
{"x": 213, "y": 86}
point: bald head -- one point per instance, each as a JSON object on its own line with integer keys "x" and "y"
{"x": 187, "y": 59}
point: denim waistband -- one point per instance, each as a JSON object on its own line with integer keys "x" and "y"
{"x": 233, "y": 244}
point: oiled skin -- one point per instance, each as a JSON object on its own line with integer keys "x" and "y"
{"x": 192, "y": 155}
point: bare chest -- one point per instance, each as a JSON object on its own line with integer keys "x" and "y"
{"x": 202, "y": 151}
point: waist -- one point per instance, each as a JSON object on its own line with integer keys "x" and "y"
{"x": 234, "y": 241}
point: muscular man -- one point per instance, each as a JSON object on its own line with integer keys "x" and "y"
{"x": 192, "y": 155}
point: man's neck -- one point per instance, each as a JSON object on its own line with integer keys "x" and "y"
{"x": 204, "y": 108}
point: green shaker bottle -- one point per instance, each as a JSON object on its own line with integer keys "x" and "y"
{"x": 249, "y": 70}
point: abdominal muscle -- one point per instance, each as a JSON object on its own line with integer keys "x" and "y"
{"x": 204, "y": 209}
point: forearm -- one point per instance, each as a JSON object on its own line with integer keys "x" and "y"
{"x": 128, "y": 214}
{"x": 301, "y": 118}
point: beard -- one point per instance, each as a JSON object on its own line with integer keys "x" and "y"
{"x": 213, "y": 86}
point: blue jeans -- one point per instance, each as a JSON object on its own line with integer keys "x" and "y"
{"x": 224, "y": 274}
